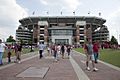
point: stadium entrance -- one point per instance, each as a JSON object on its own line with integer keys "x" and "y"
{"x": 61, "y": 41}
{"x": 61, "y": 35}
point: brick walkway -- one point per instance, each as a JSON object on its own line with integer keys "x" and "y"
{"x": 105, "y": 72}
{"x": 62, "y": 70}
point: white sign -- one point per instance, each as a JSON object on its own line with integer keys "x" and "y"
{"x": 81, "y": 23}
{"x": 42, "y": 23}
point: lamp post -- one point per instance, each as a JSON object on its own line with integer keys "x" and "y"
{"x": 31, "y": 43}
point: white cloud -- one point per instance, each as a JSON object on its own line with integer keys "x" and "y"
{"x": 10, "y": 13}
{"x": 69, "y": 5}
{"x": 72, "y": 4}
{"x": 113, "y": 23}
{"x": 43, "y": 2}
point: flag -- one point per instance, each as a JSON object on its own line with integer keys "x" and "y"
{"x": 61, "y": 12}
{"x": 33, "y": 13}
{"x": 99, "y": 13}
{"x": 74, "y": 12}
{"x": 89, "y": 12}
{"x": 47, "y": 12}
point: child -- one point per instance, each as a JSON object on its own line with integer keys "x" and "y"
{"x": 9, "y": 53}
{"x": 48, "y": 49}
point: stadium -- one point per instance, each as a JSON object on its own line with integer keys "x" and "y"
{"x": 62, "y": 29}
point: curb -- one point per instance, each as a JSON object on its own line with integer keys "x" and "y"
{"x": 110, "y": 65}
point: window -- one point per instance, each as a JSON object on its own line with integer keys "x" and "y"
{"x": 62, "y": 32}
{"x": 42, "y": 26}
{"x": 41, "y": 31}
{"x": 81, "y": 26}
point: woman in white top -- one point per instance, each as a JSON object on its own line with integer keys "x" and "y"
{"x": 2, "y": 49}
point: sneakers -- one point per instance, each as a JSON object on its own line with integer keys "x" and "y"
{"x": 88, "y": 68}
{"x": 95, "y": 69}
{"x": 56, "y": 60}
{"x": 19, "y": 61}
{"x": 96, "y": 61}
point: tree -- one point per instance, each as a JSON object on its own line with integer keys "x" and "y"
{"x": 114, "y": 40}
{"x": 30, "y": 43}
{"x": 10, "y": 39}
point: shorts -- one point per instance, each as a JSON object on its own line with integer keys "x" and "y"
{"x": 90, "y": 57}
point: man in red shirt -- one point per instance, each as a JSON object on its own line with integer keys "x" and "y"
{"x": 88, "y": 49}
{"x": 96, "y": 51}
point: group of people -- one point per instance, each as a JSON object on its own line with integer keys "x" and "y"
{"x": 9, "y": 49}
{"x": 55, "y": 50}
{"x": 58, "y": 49}
{"x": 92, "y": 52}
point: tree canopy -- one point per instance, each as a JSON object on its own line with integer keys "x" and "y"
{"x": 10, "y": 39}
{"x": 113, "y": 40}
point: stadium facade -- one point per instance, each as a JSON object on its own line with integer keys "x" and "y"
{"x": 62, "y": 29}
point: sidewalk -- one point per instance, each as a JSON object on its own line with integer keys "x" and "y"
{"x": 61, "y": 70}
{"x": 23, "y": 56}
{"x": 64, "y": 69}
{"x": 105, "y": 72}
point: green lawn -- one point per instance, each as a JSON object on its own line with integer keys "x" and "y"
{"x": 24, "y": 51}
{"x": 108, "y": 55}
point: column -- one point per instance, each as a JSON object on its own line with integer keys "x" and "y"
{"x": 46, "y": 34}
{"x": 36, "y": 33}
{"x": 89, "y": 31}
{"x": 85, "y": 33}
{"x": 77, "y": 35}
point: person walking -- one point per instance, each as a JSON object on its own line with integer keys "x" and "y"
{"x": 49, "y": 50}
{"x": 59, "y": 49}
{"x": 41, "y": 47}
{"x": 2, "y": 50}
{"x": 9, "y": 48}
{"x": 16, "y": 51}
{"x": 68, "y": 50}
{"x": 19, "y": 52}
{"x": 55, "y": 53}
{"x": 96, "y": 51}
{"x": 88, "y": 48}
{"x": 63, "y": 50}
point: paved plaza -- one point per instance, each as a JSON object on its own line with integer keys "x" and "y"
{"x": 33, "y": 68}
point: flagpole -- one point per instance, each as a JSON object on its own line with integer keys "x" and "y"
{"x": 89, "y": 13}
{"x": 99, "y": 13}
{"x": 74, "y": 13}
{"x": 47, "y": 13}
{"x": 61, "y": 12}
{"x": 33, "y": 12}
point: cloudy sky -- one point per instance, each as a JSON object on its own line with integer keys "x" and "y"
{"x": 13, "y": 10}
